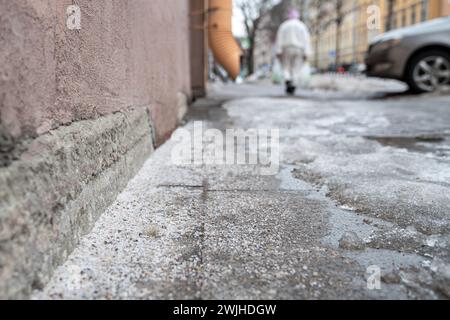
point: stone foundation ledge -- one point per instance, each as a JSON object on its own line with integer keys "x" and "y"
{"x": 55, "y": 192}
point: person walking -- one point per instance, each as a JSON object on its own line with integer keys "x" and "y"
{"x": 293, "y": 47}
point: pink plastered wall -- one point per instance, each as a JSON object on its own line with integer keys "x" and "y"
{"x": 127, "y": 54}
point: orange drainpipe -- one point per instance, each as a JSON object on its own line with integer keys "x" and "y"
{"x": 221, "y": 41}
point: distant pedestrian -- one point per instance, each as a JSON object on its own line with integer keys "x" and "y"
{"x": 293, "y": 47}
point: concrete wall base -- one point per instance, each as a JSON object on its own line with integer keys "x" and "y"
{"x": 55, "y": 192}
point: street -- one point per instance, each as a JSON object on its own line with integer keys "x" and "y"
{"x": 363, "y": 188}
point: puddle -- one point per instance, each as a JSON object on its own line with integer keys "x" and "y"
{"x": 387, "y": 260}
{"x": 438, "y": 145}
{"x": 344, "y": 219}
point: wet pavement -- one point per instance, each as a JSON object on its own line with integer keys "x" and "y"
{"x": 363, "y": 185}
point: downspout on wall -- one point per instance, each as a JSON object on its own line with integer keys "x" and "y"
{"x": 223, "y": 45}
{"x": 199, "y": 47}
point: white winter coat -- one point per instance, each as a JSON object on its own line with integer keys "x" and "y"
{"x": 293, "y": 33}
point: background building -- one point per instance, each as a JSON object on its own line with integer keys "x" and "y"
{"x": 339, "y": 28}
{"x": 342, "y": 34}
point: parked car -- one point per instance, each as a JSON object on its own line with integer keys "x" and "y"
{"x": 418, "y": 55}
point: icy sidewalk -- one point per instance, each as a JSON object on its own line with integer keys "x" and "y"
{"x": 210, "y": 233}
{"x": 311, "y": 232}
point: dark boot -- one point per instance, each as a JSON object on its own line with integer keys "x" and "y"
{"x": 292, "y": 90}
{"x": 288, "y": 87}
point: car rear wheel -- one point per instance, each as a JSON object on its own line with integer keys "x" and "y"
{"x": 428, "y": 71}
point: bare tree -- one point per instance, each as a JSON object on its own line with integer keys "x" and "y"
{"x": 253, "y": 11}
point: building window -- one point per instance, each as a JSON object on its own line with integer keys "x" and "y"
{"x": 413, "y": 14}
{"x": 424, "y": 11}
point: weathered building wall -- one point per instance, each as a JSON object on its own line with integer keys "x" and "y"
{"x": 80, "y": 110}
{"x": 127, "y": 53}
